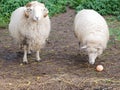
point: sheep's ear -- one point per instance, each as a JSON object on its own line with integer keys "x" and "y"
{"x": 26, "y": 14}
{"x": 100, "y": 47}
{"x": 46, "y": 12}
{"x": 100, "y": 50}
{"x": 28, "y": 4}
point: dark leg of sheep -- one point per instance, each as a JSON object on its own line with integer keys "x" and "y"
{"x": 79, "y": 44}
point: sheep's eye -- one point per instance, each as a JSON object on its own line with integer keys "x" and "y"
{"x": 41, "y": 9}
{"x": 44, "y": 10}
{"x": 29, "y": 9}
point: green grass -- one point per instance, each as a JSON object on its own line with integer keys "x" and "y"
{"x": 111, "y": 8}
{"x": 104, "y": 7}
{"x": 8, "y": 6}
{"x": 114, "y": 27}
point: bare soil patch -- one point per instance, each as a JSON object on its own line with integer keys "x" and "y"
{"x": 62, "y": 67}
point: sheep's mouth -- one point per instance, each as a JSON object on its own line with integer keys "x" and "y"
{"x": 36, "y": 20}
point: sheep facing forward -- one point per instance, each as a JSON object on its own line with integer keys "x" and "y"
{"x": 92, "y": 32}
{"x": 30, "y": 27}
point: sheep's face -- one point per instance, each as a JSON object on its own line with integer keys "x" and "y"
{"x": 93, "y": 52}
{"x": 36, "y": 12}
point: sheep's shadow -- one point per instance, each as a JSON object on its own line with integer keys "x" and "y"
{"x": 78, "y": 58}
{"x": 13, "y": 57}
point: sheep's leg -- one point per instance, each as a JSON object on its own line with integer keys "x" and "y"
{"x": 79, "y": 45}
{"x": 79, "y": 48}
{"x": 81, "y": 52}
{"x": 25, "y": 54}
{"x": 38, "y": 56}
{"x": 29, "y": 50}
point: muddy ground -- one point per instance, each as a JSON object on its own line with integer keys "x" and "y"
{"x": 62, "y": 67}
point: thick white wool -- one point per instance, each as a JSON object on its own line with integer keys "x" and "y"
{"x": 22, "y": 28}
{"x": 30, "y": 27}
{"x": 91, "y": 29}
{"x": 89, "y": 25}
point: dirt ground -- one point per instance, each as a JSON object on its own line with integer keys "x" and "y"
{"x": 62, "y": 67}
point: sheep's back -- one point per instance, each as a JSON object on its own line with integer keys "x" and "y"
{"x": 16, "y": 17}
{"x": 89, "y": 21}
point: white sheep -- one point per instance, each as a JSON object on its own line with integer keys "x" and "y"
{"x": 92, "y": 32}
{"x": 30, "y": 27}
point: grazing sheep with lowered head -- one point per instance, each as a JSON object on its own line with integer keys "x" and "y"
{"x": 30, "y": 27}
{"x": 92, "y": 32}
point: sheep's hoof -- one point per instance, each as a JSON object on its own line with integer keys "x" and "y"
{"x": 25, "y": 62}
{"x": 38, "y": 60}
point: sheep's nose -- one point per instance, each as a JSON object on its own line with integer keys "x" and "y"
{"x": 37, "y": 18}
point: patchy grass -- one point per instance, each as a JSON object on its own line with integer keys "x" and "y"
{"x": 114, "y": 27}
